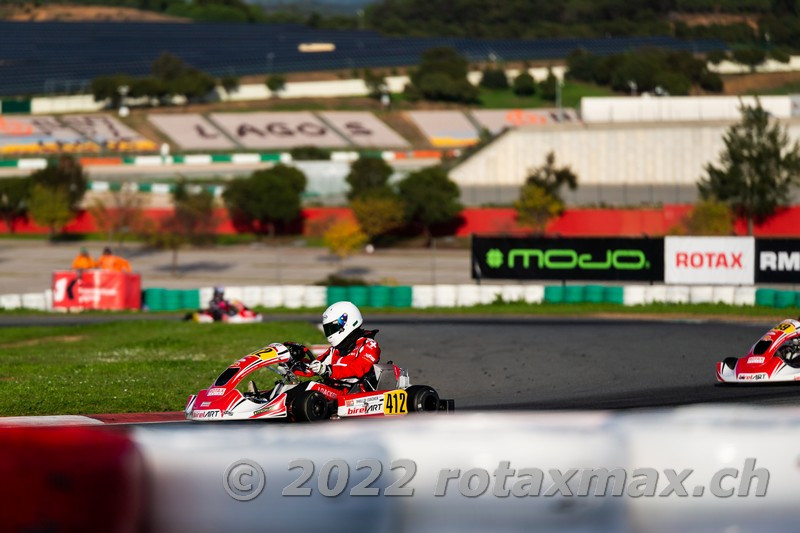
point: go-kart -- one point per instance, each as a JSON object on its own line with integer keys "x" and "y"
{"x": 775, "y": 357}
{"x": 238, "y": 314}
{"x": 386, "y": 391}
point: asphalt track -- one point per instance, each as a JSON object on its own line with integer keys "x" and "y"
{"x": 537, "y": 363}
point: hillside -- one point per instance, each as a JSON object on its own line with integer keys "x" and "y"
{"x": 75, "y": 13}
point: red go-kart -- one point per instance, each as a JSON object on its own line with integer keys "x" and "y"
{"x": 386, "y": 391}
{"x": 775, "y": 357}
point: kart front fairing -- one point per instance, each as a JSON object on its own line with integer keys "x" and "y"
{"x": 222, "y": 401}
{"x": 771, "y": 359}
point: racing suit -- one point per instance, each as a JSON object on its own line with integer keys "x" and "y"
{"x": 220, "y": 306}
{"x": 353, "y": 357}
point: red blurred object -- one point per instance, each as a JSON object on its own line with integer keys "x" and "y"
{"x": 96, "y": 289}
{"x": 64, "y": 479}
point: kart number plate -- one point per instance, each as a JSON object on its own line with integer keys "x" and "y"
{"x": 395, "y": 403}
{"x": 785, "y": 327}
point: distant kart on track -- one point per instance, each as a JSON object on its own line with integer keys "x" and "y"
{"x": 242, "y": 315}
{"x": 774, "y": 358}
{"x": 386, "y": 391}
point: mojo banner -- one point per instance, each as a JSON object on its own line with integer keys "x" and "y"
{"x": 777, "y": 260}
{"x": 590, "y": 258}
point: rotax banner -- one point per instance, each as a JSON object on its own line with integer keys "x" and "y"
{"x": 709, "y": 260}
{"x": 589, "y": 258}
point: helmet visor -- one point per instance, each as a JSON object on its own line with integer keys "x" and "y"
{"x": 334, "y": 327}
{"x": 330, "y": 328}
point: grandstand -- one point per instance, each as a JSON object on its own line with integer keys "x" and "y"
{"x": 55, "y": 57}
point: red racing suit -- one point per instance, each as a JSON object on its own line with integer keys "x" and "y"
{"x": 354, "y": 364}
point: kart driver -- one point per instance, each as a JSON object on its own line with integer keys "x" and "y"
{"x": 219, "y": 306}
{"x": 353, "y": 349}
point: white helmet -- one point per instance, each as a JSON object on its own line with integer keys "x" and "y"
{"x": 340, "y": 320}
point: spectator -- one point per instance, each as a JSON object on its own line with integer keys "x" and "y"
{"x": 109, "y": 261}
{"x": 83, "y": 261}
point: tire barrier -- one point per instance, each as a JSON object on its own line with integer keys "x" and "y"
{"x": 577, "y": 471}
{"x": 440, "y": 296}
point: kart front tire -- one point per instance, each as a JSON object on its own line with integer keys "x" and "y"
{"x": 310, "y": 406}
{"x": 422, "y": 398}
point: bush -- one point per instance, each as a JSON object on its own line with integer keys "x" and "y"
{"x": 524, "y": 85}
{"x": 673, "y": 83}
{"x": 276, "y": 83}
{"x": 780, "y": 55}
{"x": 549, "y": 87}
{"x": 751, "y": 56}
{"x": 715, "y": 57}
{"x": 309, "y": 153}
{"x": 711, "y": 82}
{"x": 494, "y": 78}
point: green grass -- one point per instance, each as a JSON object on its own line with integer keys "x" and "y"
{"x": 571, "y": 96}
{"x": 789, "y": 88}
{"x": 123, "y": 366}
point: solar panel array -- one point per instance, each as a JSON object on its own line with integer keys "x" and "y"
{"x": 48, "y": 57}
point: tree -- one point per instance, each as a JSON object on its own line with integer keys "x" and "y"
{"x": 430, "y": 198}
{"x": 494, "y": 78}
{"x": 756, "y": 169}
{"x": 344, "y": 237}
{"x": 524, "y": 85}
{"x": 535, "y": 206}
{"x": 549, "y": 87}
{"x": 191, "y": 222}
{"x": 14, "y": 195}
{"x": 378, "y": 215}
{"x": 276, "y": 83}
{"x": 710, "y": 217}
{"x": 442, "y": 75}
{"x": 376, "y": 84}
{"x": 120, "y": 216}
{"x": 50, "y": 207}
{"x": 552, "y": 179}
{"x": 65, "y": 175}
{"x": 750, "y": 55}
{"x": 229, "y": 83}
{"x": 107, "y": 88}
{"x": 267, "y": 199}
{"x": 368, "y": 176}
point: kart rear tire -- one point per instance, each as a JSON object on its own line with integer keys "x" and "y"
{"x": 310, "y": 406}
{"x": 422, "y": 398}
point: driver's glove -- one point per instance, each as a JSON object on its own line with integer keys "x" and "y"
{"x": 298, "y": 351}
{"x": 318, "y": 367}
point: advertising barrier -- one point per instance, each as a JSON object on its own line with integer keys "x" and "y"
{"x": 602, "y": 259}
{"x": 96, "y": 289}
{"x": 778, "y": 261}
{"x": 709, "y": 260}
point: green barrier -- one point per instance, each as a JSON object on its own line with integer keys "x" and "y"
{"x": 765, "y": 297}
{"x": 593, "y": 294}
{"x": 554, "y": 294}
{"x": 190, "y": 299}
{"x": 359, "y": 295}
{"x": 336, "y": 294}
{"x": 12, "y": 163}
{"x": 270, "y": 157}
{"x": 172, "y": 300}
{"x": 221, "y": 158}
{"x": 614, "y": 295}
{"x": 154, "y": 299}
{"x": 784, "y": 299}
{"x": 379, "y": 296}
{"x": 573, "y": 294}
{"x": 401, "y": 296}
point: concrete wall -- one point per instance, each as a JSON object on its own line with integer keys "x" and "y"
{"x": 608, "y": 154}
{"x": 677, "y": 108}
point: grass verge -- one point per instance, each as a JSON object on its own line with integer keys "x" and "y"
{"x": 127, "y": 366}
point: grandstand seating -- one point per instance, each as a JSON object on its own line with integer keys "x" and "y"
{"x": 49, "y": 57}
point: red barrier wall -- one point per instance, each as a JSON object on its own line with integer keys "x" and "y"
{"x": 575, "y": 222}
